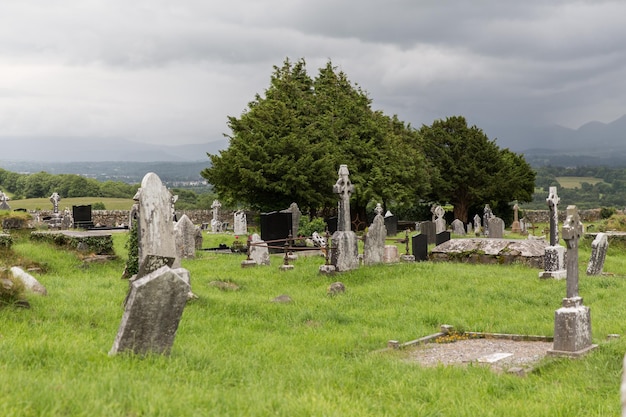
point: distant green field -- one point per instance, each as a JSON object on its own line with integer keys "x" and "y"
{"x": 45, "y": 204}
{"x": 575, "y": 182}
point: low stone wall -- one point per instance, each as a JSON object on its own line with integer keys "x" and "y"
{"x": 543, "y": 216}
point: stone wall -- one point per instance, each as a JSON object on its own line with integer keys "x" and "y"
{"x": 543, "y": 216}
{"x": 113, "y": 218}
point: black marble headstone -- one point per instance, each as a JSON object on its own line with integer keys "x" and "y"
{"x": 419, "y": 245}
{"x": 442, "y": 237}
{"x": 275, "y": 226}
{"x": 391, "y": 223}
{"x": 82, "y": 216}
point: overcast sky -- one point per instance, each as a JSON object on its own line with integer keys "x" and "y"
{"x": 170, "y": 72}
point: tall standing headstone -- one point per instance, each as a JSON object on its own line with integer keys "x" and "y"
{"x": 419, "y": 247}
{"x": 487, "y": 215}
{"x": 477, "y": 224}
{"x": 599, "y": 247}
{"x": 4, "y": 205}
{"x": 216, "y": 224}
{"x": 185, "y": 232}
{"x": 374, "y": 247}
{"x": 572, "y": 322}
{"x": 344, "y": 249}
{"x": 296, "y": 214}
{"x": 515, "y": 227}
{"x": 554, "y": 255}
{"x": 428, "y": 228}
{"x": 496, "y": 228}
{"x": 440, "y": 222}
{"x": 240, "y": 223}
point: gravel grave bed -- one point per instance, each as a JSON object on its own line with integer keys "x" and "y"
{"x": 499, "y": 354}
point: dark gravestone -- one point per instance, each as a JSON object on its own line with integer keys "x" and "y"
{"x": 82, "y": 216}
{"x": 419, "y": 245}
{"x": 442, "y": 237}
{"x": 275, "y": 226}
{"x": 332, "y": 224}
{"x": 391, "y": 223}
{"x": 428, "y": 228}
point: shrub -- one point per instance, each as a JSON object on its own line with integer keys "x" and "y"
{"x": 98, "y": 206}
{"x": 307, "y": 227}
{"x": 607, "y": 212}
{"x": 132, "y": 245}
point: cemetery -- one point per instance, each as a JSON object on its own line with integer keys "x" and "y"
{"x": 436, "y": 320}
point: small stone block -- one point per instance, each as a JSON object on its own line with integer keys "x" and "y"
{"x": 407, "y": 258}
{"x": 327, "y": 269}
{"x": 248, "y": 263}
{"x": 286, "y": 267}
{"x": 446, "y": 328}
{"x": 516, "y": 370}
{"x": 393, "y": 344}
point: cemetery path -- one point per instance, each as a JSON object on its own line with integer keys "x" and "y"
{"x": 499, "y": 354}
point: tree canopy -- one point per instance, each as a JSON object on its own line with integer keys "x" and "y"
{"x": 288, "y": 145}
{"x": 470, "y": 169}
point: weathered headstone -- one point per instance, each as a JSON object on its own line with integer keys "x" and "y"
{"x": 296, "y": 214}
{"x": 477, "y": 224}
{"x": 515, "y": 227}
{"x": 391, "y": 223}
{"x": 240, "y": 223}
{"x": 496, "y": 228}
{"x": 344, "y": 249}
{"x": 54, "y": 199}
{"x": 374, "y": 247}
{"x": 185, "y": 232}
{"x": 599, "y": 247}
{"x": 440, "y": 222}
{"x": 428, "y": 228}
{"x": 391, "y": 254}
{"x": 259, "y": 252}
{"x": 216, "y": 224}
{"x": 419, "y": 247}
{"x": 487, "y": 215}
{"x": 572, "y": 322}
{"x": 153, "y": 311}
{"x": 458, "y": 228}
{"x": 4, "y": 205}
{"x": 29, "y": 281}
{"x": 554, "y": 258}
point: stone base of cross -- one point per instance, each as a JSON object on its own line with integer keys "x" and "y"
{"x": 572, "y": 329}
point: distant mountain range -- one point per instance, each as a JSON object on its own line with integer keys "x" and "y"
{"x": 55, "y": 149}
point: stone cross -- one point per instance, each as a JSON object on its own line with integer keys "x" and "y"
{"x": 216, "y": 208}
{"x": 54, "y": 199}
{"x": 487, "y": 214}
{"x": 3, "y": 201}
{"x": 215, "y": 222}
{"x": 515, "y": 227}
{"x": 553, "y": 200}
{"x": 344, "y": 189}
{"x": 572, "y": 231}
{"x": 379, "y": 209}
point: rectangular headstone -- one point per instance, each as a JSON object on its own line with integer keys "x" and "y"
{"x": 428, "y": 228}
{"x": 419, "y": 245}
{"x": 275, "y": 226}
{"x": 391, "y": 223}
{"x": 442, "y": 237}
{"x": 153, "y": 311}
{"x": 496, "y": 228}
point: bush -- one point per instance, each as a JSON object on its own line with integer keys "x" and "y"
{"x": 98, "y": 206}
{"x": 607, "y": 212}
{"x": 307, "y": 227}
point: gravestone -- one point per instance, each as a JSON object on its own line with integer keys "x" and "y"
{"x": 442, "y": 237}
{"x": 391, "y": 223}
{"x": 391, "y": 254}
{"x": 153, "y": 311}
{"x": 216, "y": 224}
{"x": 259, "y": 252}
{"x": 275, "y": 228}
{"x": 458, "y": 228}
{"x": 572, "y": 322}
{"x": 599, "y": 247}
{"x": 496, "y": 228}
{"x": 440, "y": 222}
{"x": 296, "y": 214}
{"x": 54, "y": 199}
{"x": 344, "y": 248}
{"x": 554, "y": 262}
{"x": 82, "y": 216}
{"x": 185, "y": 235}
{"x": 515, "y": 227}
{"x": 419, "y": 247}
{"x": 428, "y": 228}
{"x": 374, "y": 247}
{"x": 4, "y": 205}
{"x": 240, "y": 223}
{"x": 477, "y": 224}
{"x": 487, "y": 215}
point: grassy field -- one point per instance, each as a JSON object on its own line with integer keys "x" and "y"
{"x": 238, "y": 354}
{"x": 45, "y": 204}
{"x": 576, "y": 182}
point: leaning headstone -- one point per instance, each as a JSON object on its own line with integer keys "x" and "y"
{"x": 440, "y": 222}
{"x": 153, "y": 311}
{"x": 259, "y": 252}
{"x": 599, "y": 247}
{"x": 458, "y": 228}
{"x": 216, "y": 224}
{"x": 428, "y": 228}
{"x": 554, "y": 257}
{"x": 419, "y": 247}
{"x": 4, "y": 205}
{"x": 344, "y": 249}
{"x": 374, "y": 247}
{"x": 496, "y": 228}
{"x": 572, "y": 322}
{"x": 240, "y": 223}
{"x": 185, "y": 232}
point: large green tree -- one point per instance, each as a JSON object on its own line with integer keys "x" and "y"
{"x": 470, "y": 169}
{"x": 288, "y": 145}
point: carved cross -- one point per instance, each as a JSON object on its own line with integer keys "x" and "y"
{"x": 54, "y": 199}
{"x": 344, "y": 189}
{"x": 572, "y": 231}
{"x": 3, "y": 197}
{"x": 553, "y": 200}
{"x": 379, "y": 209}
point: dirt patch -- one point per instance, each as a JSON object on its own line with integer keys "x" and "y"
{"x": 499, "y": 354}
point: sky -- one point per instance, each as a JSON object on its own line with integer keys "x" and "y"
{"x": 171, "y": 72}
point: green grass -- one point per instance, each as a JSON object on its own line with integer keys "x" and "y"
{"x": 45, "y": 204}
{"x": 237, "y": 353}
{"x": 576, "y": 182}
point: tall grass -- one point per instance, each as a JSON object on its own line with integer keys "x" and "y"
{"x": 239, "y": 354}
